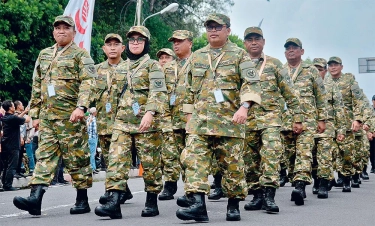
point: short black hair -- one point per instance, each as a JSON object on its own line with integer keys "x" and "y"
{"x": 17, "y": 103}
{"x": 373, "y": 97}
{"x": 7, "y": 105}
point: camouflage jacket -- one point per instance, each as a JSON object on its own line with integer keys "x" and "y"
{"x": 335, "y": 123}
{"x": 176, "y": 84}
{"x": 147, "y": 88}
{"x": 310, "y": 89}
{"x": 275, "y": 85}
{"x": 351, "y": 96}
{"x": 103, "y": 95}
{"x": 367, "y": 112}
{"x": 73, "y": 77}
{"x": 238, "y": 81}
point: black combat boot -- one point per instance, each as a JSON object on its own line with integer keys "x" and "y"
{"x": 346, "y": 185}
{"x": 33, "y": 203}
{"x": 127, "y": 195}
{"x": 213, "y": 185}
{"x": 283, "y": 178}
{"x": 233, "y": 210}
{"x": 364, "y": 174}
{"x": 185, "y": 201}
{"x": 355, "y": 181}
{"x": 315, "y": 187}
{"x": 340, "y": 180}
{"x": 218, "y": 192}
{"x": 104, "y": 198}
{"x": 170, "y": 188}
{"x": 197, "y": 211}
{"x": 82, "y": 203}
{"x": 269, "y": 201}
{"x": 151, "y": 205}
{"x": 256, "y": 202}
{"x": 112, "y": 207}
{"x": 332, "y": 183}
{"x": 298, "y": 194}
{"x": 323, "y": 189}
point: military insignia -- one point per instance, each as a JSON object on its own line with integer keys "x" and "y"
{"x": 91, "y": 69}
{"x": 158, "y": 83}
{"x": 251, "y": 73}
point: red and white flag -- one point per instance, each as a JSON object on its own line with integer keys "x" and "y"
{"x": 82, "y": 12}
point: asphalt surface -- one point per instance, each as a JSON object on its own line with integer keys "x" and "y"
{"x": 355, "y": 208}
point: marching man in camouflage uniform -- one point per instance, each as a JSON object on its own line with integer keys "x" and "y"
{"x": 224, "y": 84}
{"x": 351, "y": 96}
{"x": 325, "y": 143}
{"x": 175, "y": 76}
{"x": 165, "y": 55}
{"x": 142, "y": 96}
{"x": 263, "y": 147}
{"x": 110, "y": 81}
{"x": 310, "y": 88}
{"x": 62, "y": 82}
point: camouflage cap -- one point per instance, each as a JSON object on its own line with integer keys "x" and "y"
{"x": 181, "y": 35}
{"x": 165, "y": 50}
{"x": 295, "y": 41}
{"x": 253, "y": 30}
{"x": 218, "y": 18}
{"x": 320, "y": 62}
{"x": 112, "y": 36}
{"x": 139, "y": 29}
{"x": 65, "y": 19}
{"x": 335, "y": 59}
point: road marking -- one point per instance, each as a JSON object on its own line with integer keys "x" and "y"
{"x": 51, "y": 208}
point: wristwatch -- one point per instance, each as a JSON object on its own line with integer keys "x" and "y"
{"x": 245, "y": 105}
{"x": 82, "y": 108}
{"x": 152, "y": 112}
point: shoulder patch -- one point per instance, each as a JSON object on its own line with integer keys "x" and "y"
{"x": 248, "y": 71}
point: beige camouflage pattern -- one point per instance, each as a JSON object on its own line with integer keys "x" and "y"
{"x": 73, "y": 78}
{"x": 181, "y": 35}
{"x": 238, "y": 80}
{"x": 61, "y": 138}
{"x": 334, "y": 59}
{"x": 218, "y": 18}
{"x": 139, "y": 29}
{"x": 66, "y": 19}
{"x": 295, "y": 41}
{"x": 165, "y": 51}
{"x": 320, "y": 62}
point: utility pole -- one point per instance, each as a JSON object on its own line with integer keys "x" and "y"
{"x": 139, "y": 10}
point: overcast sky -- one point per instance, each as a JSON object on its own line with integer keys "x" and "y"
{"x": 344, "y": 28}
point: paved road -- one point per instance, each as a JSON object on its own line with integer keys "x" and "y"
{"x": 355, "y": 208}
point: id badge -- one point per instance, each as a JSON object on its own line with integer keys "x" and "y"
{"x": 108, "y": 107}
{"x": 172, "y": 100}
{"x": 51, "y": 90}
{"x": 135, "y": 107}
{"x": 219, "y": 96}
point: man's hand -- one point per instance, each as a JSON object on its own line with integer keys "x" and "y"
{"x": 146, "y": 122}
{"x": 366, "y": 127}
{"x": 240, "y": 116}
{"x": 340, "y": 137}
{"x": 35, "y": 123}
{"x": 297, "y": 127}
{"x": 369, "y": 136}
{"x": 22, "y": 142}
{"x": 356, "y": 126}
{"x": 321, "y": 126}
{"x": 188, "y": 117}
{"x": 77, "y": 114}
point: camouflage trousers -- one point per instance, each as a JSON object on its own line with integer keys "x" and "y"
{"x": 345, "y": 159}
{"x": 262, "y": 154}
{"x": 66, "y": 140}
{"x": 120, "y": 161}
{"x": 197, "y": 158}
{"x": 215, "y": 169}
{"x": 298, "y": 154}
{"x": 180, "y": 139}
{"x": 359, "y": 154}
{"x": 104, "y": 143}
{"x": 366, "y": 150}
{"x": 322, "y": 157}
{"x": 170, "y": 157}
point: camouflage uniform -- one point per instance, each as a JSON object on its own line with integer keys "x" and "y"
{"x": 175, "y": 78}
{"x": 72, "y": 75}
{"x": 147, "y": 88}
{"x": 167, "y": 51}
{"x": 326, "y": 144}
{"x": 310, "y": 88}
{"x": 211, "y": 129}
{"x": 263, "y": 148}
{"x": 351, "y": 99}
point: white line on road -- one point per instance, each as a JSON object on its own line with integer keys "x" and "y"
{"x": 50, "y": 208}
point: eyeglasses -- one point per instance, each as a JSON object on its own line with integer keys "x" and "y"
{"x": 217, "y": 28}
{"x": 292, "y": 47}
{"x": 140, "y": 40}
{"x": 116, "y": 44}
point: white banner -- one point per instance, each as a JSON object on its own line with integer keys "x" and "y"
{"x": 82, "y": 12}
